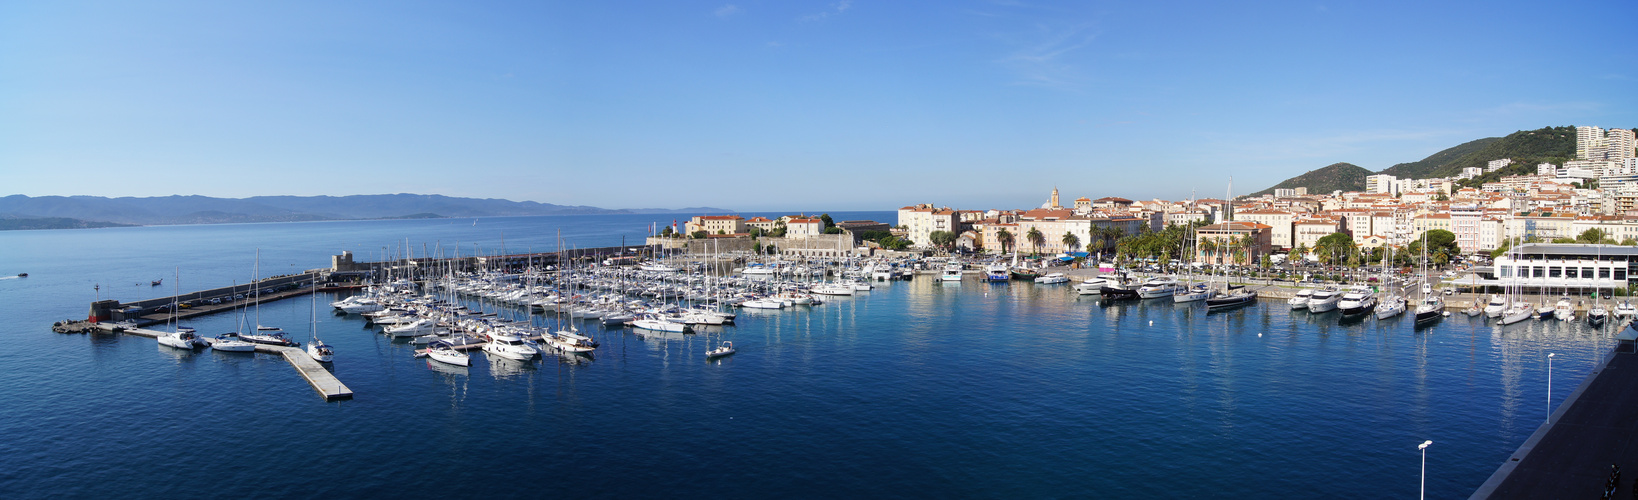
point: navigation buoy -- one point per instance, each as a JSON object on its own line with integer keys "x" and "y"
{"x": 1259, "y": 334}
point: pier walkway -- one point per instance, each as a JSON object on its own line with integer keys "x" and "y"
{"x": 1571, "y": 454}
{"x": 319, "y": 377}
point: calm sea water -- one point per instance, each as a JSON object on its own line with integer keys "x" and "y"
{"x": 914, "y": 389}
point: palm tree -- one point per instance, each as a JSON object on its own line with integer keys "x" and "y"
{"x": 1006, "y": 239}
{"x": 1208, "y": 248}
{"x": 1035, "y": 239}
{"x": 1072, "y": 243}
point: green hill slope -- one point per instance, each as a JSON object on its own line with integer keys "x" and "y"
{"x": 1527, "y": 147}
{"x": 1423, "y": 169}
{"x": 1336, "y": 176}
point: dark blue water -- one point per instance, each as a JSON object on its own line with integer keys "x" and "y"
{"x": 915, "y": 389}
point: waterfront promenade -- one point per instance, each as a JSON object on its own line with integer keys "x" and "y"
{"x": 1571, "y": 454}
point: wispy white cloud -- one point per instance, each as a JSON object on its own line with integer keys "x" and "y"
{"x": 728, "y": 11}
{"x": 1043, "y": 59}
{"x": 836, "y": 9}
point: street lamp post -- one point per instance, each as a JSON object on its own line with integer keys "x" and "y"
{"x": 1424, "y": 449}
{"x": 1549, "y": 387}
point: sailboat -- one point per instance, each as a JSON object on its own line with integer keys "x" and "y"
{"x": 1431, "y": 307}
{"x": 269, "y": 335}
{"x": 316, "y": 348}
{"x": 1394, "y": 303}
{"x": 231, "y": 341}
{"x": 1597, "y": 315}
{"x": 178, "y": 338}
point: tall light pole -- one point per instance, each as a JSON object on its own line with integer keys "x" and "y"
{"x": 1424, "y": 449}
{"x": 1549, "y": 387}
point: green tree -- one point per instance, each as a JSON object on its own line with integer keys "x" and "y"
{"x": 1441, "y": 244}
{"x": 828, "y": 222}
{"x": 1072, "y": 243}
{"x": 700, "y": 235}
{"x": 1006, "y": 238}
{"x": 667, "y": 231}
{"x": 942, "y": 239}
{"x": 1035, "y": 239}
{"x": 1594, "y": 235}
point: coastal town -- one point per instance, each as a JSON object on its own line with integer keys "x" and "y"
{"x": 1591, "y": 199}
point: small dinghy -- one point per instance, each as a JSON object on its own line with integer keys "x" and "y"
{"x": 727, "y": 348}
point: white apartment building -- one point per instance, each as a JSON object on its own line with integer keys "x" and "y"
{"x": 1278, "y": 221}
{"x": 921, "y": 220}
{"x": 1470, "y": 172}
{"x": 1547, "y": 169}
{"x": 1381, "y": 184}
{"x": 1495, "y": 165}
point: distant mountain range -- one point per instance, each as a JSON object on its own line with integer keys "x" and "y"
{"x": 1527, "y": 148}
{"x": 89, "y": 211}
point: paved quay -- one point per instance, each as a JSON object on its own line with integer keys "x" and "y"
{"x": 1571, "y": 454}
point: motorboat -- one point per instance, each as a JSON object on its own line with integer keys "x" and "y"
{"x": 417, "y": 328}
{"x": 833, "y": 289}
{"x": 444, "y": 352}
{"x": 1496, "y": 306}
{"x": 1300, "y": 300}
{"x": 725, "y": 349}
{"x": 180, "y": 339}
{"x": 1024, "y": 273}
{"x": 952, "y": 272}
{"x": 1625, "y": 309}
{"x": 996, "y": 272}
{"x": 1564, "y": 310}
{"x": 1324, "y": 300}
{"x": 231, "y": 342}
{"x": 1430, "y": 309}
{"x": 1091, "y": 286}
{"x": 1159, "y": 287}
{"x": 1236, "y": 298}
{"x": 1356, "y": 301}
{"x": 509, "y": 346}
{"x": 752, "y": 304}
{"x": 1117, "y": 291}
{"x": 568, "y": 341}
{"x": 1195, "y": 293}
{"x": 1390, "y": 306}
{"x": 659, "y": 324}
{"x": 1052, "y": 279}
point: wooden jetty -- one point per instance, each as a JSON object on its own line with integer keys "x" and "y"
{"x": 319, "y": 377}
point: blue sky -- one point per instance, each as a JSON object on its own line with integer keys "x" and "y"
{"x": 752, "y": 105}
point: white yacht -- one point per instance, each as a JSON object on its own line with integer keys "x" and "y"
{"x": 1564, "y": 310}
{"x": 1392, "y": 305}
{"x": 952, "y": 272}
{"x": 1625, "y": 309}
{"x": 231, "y": 342}
{"x": 320, "y": 351}
{"x": 1431, "y": 308}
{"x": 1496, "y": 306}
{"x": 568, "y": 341}
{"x": 833, "y": 289}
{"x": 1516, "y": 312}
{"x": 1052, "y": 279}
{"x": 417, "y": 328}
{"x": 1158, "y": 287}
{"x": 509, "y": 346}
{"x": 444, "y": 352}
{"x": 1324, "y": 300}
{"x": 659, "y": 324}
{"x": 1091, "y": 286}
{"x": 1195, "y": 293}
{"x": 1597, "y": 315}
{"x": 1300, "y": 300}
{"x": 1358, "y": 300}
{"x": 180, "y": 339}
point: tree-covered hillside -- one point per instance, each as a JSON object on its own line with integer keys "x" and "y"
{"x": 1333, "y": 177}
